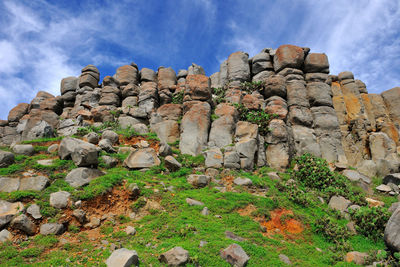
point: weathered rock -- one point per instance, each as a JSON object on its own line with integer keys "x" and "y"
{"x": 82, "y": 176}
{"x": 338, "y": 203}
{"x": 198, "y": 180}
{"x": 167, "y": 131}
{"x": 367, "y": 167}
{"x": 80, "y": 215}
{"x": 5, "y": 236}
{"x": 288, "y": 56}
{"x": 6, "y": 159}
{"x": 194, "y": 129}
{"x": 355, "y": 176}
{"x": 110, "y": 135}
{"x": 106, "y": 145}
{"x": 172, "y": 164}
{"x": 142, "y": 158}
{"x": 193, "y": 202}
{"x": 123, "y": 258}
{"x": 92, "y": 138}
{"x": 277, "y": 156}
{"x": 392, "y": 231}
{"x": 214, "y": 158}
{"x": 82, "y": 153}
{"x": 176, "y": 256}
{"x": 126, "y": 75}
{"x": 69, "y": 84}
{"x": 238, "y": 67}
{"x": 59, "y": 199}
{"x": 392, "y": 178}
{"x": 246, "y": 130}
{"x": 384, "y": 188}
{"x": 8, "y": 211}
{"x": 52, "y": 229}
{"x": 9, "y": 184}
{"x": 148, "y": 75}
{"x": 24, "y": 224}
{"x": 232, "y": 160}
{"x": 34, "y": 211}
{"x": 276, "y": 105}
{"x": 356, "y": 257}
{"x": 18, "y": 112}
{"x": 319, "y": 94}
{"x": 381, "y": 146}
{"x": 109, "y": 162}
{"x": 235, "y": 255}
{"x": 242, "y": 181}
{"x": 392, "y": 101}
{"x": 275, "y": 86}
{"x": 285, "y": 259}
{"x": 27, "y": 150}
{"x": 247, "y": 149}
{"x": 35, "y": 183}
{"x": 316, "y": 62}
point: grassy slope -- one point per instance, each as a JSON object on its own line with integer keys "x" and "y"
{"x": 178, "y": 224}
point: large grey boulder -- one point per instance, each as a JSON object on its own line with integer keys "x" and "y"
{"x": 8, "y": 211}
{"x": 9, "y": 184}
{"x": 176, "y": 256}
{"x": 6, "y": 159}
{"x": 221, "y": 132}
{"x": 316, "y": 62}
{"x": 238, "y": 67}
{"x": 235, "y": 255}
{"x": 194, "y": 129}
{"x": 142, "y": 158}
{"x": 355, "y": 176}
{"x": 106, "y": 145}
{"x": 319, "y": 94}
{"x": 110, "y": 135}
{"x": 52, "y": 229}
{"x": 82, "y": 153}
{"x": 35, "y": 183}
{"x": 172, "y": 164}
{"x": 123, "y": 258}
{"x": 59, "y": 199}
{"x": 392, "y": 231}
{"x": 82, "y": 176}
{"x": 27, "y": 150}
{"x": 24, "y": 224}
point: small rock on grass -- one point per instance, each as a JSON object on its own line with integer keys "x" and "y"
{"x": 205, "y": 211}
{"x": 59, "y": 199}
{"x": 123, "y": 258}
{"x": 242, "y": 181}
{"x": 176, "y": 256}
{"x": 5, "y": 236}
{"x": 130, "y": 230}
{"x": 235, "y": 255}
{"x": 52, "y": 229}
{"x": 24, "y": 224}
{"x": 34, "y": 211}
{"x": 193, "y": 202}
{"x": 285, "y": 259}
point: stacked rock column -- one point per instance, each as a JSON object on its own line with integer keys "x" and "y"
{"x": 325, "y": 121}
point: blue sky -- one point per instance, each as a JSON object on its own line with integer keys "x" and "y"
{"x": 43, "y": 41}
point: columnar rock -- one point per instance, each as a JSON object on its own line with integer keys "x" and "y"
{"x": 222, "y": 129}
{"x": 165, "y": 124}
{"x": 166, "y": 84}
{"x": 238, "y": 67}
{"x": 195, "y": 69}
{"x": 261, "y": 62}
{"x": 197, "y": 88}
{"x": 148, "y": 75}
{"x": 288, "y": 56}
{"x": 246, "y": 143}
{"x": 277, "y": 152}
{"x": 18, "y": 112}
{"x": 147, "y": 100}
{"x": 392, "y": 101}
{"x": 127, "y": 74}
{"x": 194, "y": 129}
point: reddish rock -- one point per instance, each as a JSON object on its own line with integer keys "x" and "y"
{"x": 54, "y": 104}
{"x": 86, "y": 114}
{"x": 251, "y": 102}
{"x": 226, "y": 109}
{"x": 17, "y": 112}
{"x": 127, "y": 74}
{"x": 316, "y": 62}
{"x": 166, "y": 78}
{"x": 277, "y": 105}
{"x": 288, "y": 56}
{"x": 170, "y": 111}
{"x": 197, "y": 88}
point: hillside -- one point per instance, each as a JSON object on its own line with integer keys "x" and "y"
{"x": 271, "y": 161}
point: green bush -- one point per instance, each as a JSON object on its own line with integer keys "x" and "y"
{"x": 252, "y": 86}
{"x": 259, "y": 117}
{"x": 332, "y": 230}
{"x": 177, "y": 97}
{"x": 220, "y": 95}
{"x": 370, "y": 222}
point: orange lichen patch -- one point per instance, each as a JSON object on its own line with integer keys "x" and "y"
{"x": 137, "y": 139}
{"x": 228, "y": 181}
{"x": 336, "y": 89}
{"x": 353, "y": 107}
{"x": 247, "y": 211}
{"x": 278, "y": 224}
{"x": 391, "y": 131}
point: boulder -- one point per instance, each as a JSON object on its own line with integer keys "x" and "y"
{"x": 6, "y": 159}
{"x": 69, "y": 84}
{"x": 288, "y": 56}
{"x": 106, "y": 145}
{"x": 381, "y": 146}
{"x": 285, "y": 259}
{"x": 18, "y": 112}
{"x": 127, "y": 75}
{"x": 82, "y": 176}
{"x": 5, "y": 236}
{"x": 142, "y": 158}
{"x": 339, "y": 203}
{"x": 221, "y": 132}
{"x": 195, "y": 69}
{"x": 232, "y": 160}
{"x": 356, "y": 257}
{"x": 9, "y": 184}
{"x": 172, "y": 164}
{"x": 109, "y": 162}
{"x": 247, "y": 149}
{"x": 52, "y": 229}
{"x": 276, "y": 105}
{"x": 167, "y": 131}
{"x": 319, "y": 94}
{"x": 82, "y": 153}
{"x": 27, "y": 150}
{"x": 238, "y": 67}
{"x": 24, "y": 224}
{"x": 316, "y": 62}
{"x": 197, "y": 88}
{"x": 392, "y": 101}
{"x": 243, "y": 181}
{"x": 92, "y": 138}
{"x": 59, "y": 199}
{"x": 193, "y": 202}
{"x": 214, "y": 158}
{"x": 8, "y": 211}
{"x": 277, "y": 156}
{"x": 392, "y": 178}
{"x": 110, "y": 135}
{"x": 148, "y": 75}
{"x": 275, "y": 85}
{"x": 176, "y": 256}
{"x": 246, "y": 130}
{"x": 34, "y": 211}
{"x": 198, "y": 180}
{"x": 34, "y": 183}
{"x": 123, "y": 258}
{"x": 235, "y": 255}
{"x": 194, "y": 129}
{"x": 392, "y": 231}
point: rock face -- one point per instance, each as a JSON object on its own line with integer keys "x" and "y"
{"x": 392, "y": 231}
{"x": 330, "y": 116}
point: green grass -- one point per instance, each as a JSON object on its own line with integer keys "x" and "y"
{"x": 42, "y": 140}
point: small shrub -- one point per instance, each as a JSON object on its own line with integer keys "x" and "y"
{"x": 259, "y": 117}
{"x": 219, "y": 95}
{"x": 370, "y": 222}
{"x": 177, "y": 97}
{"x": 331, "y": 230}
{"x": 73, "y": 228}
{"x": 189, "y": 161}
{"x": 250, "y": 87}
{"x": 138, "y": 204}
{"x": 31, "y": 252}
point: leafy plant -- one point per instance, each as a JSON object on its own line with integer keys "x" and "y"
{"x": 252, "y": 86}
{"x": 370, "y": 221}
{"x": 259, "y": 117}
{"x": 331, "y": 230}
{"x": 219, "y": 95}
{"x": 177, "y": 97}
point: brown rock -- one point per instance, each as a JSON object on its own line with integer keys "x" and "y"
{"x": 276, "y": 105}
{"x": 17, "y": 112}
{"x": 288, "y": 56}
{"x": 316, "y": 62}
{"x": 170, "y": 111}
{"x": 197, "y": 88}
{"x": 127, "y": 74}
{"x": 251, "y": 102}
